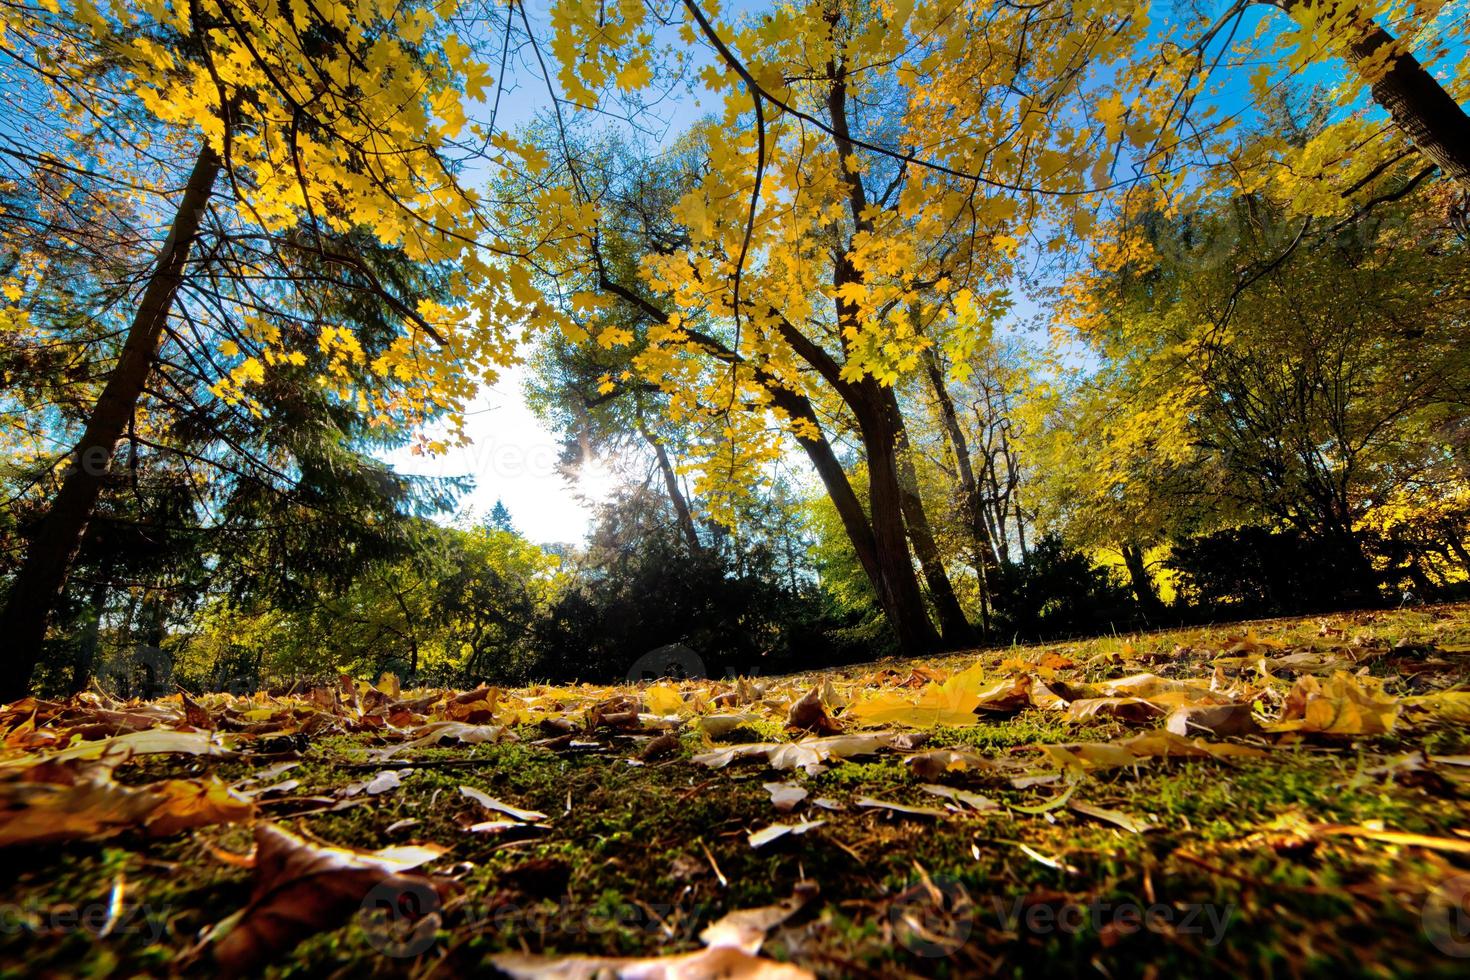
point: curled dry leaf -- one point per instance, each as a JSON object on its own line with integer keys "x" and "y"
{"x": 1212, "y": 719}
{"x": 1344, "y": 704}
{"x": 301, "y": 889}
{"x": 154, "y": 741}
{"x": 384, "y": 782}
{"x": 746, "y": 929}
{"x": 1115, "y": 817}
{"x": 1124, "y": 709}
{"x": 808, "y": 753}
{"x": 972, "y": 800}
{"x": 785, "y": 796}
{"x": 73, "y": 800}
{"x": 776, "y": 831}
{"x": 462, "y": 732}
{"x": 496, "y": 806}
{"x": 810, "y": 714}
{"x": 869, "y": 803}
{"x": 714, "y": 963}
{"x": 937, "y": 762}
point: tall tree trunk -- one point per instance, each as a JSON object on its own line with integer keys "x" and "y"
{"x": 676, "y": 495}
{"x": 892, "y": 576}
{"x": 885, "y": 503}
{"x": 82, "y": 667}
{"x": 954, "y": 628}
{"x": 1143, "y": 584}
{"x": 986, "y": 563}
{"x": 57, "y": 536}
{"x": 1427, "y": 114}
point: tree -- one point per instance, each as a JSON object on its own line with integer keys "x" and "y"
{"x": 1310, "y": 391}
{"x": 499, "y": 519}
{"x": 866, "y": 161}
{"x": 282, "y": 130}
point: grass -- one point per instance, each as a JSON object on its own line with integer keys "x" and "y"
{"x": 638, "y": 859}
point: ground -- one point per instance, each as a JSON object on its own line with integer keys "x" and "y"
{"x": 1327, "y": 837}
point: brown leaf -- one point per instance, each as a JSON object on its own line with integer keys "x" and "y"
{"x": 1212, "y": 719}
{"x": 811, "y": 714}
{"x": 937, "y": 762}
{"x": 302, "y": 889}
{"x": 1344, "y": 704}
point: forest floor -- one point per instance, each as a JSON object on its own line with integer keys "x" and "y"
{"x": 1283, "y": 798}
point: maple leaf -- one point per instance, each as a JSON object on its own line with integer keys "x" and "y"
{"x": 1344, "y": 704}
{"x": 953, "y": 702}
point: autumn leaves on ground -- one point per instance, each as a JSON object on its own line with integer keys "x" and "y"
{"x": 1281, "y": 797}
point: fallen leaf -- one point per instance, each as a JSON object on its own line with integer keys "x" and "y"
{"x": 973, "y": 800}
{"x": 383, "y": 782}
{"x": 952, "y": 702}
{"x": 714, "y": 963}
{"x": 776, "y": 831}
{"x": 1344, "y": 704}
{"x": 746, "y": 929}
{"x": 1212, "y": 719}
{"x": 808, "y": 753}
{"x": 785, "y": 796}
{"x": 1124, "y": 709}
{"x": 436, "y": 732}
{"x": 302, "y": 889}
{"x": 496, "y": 806}
{"x": 937, "y": 762}
{"x": 663, "y": 699}
{"x": 811, "y": 714}
{"x": 156, "y": 741}
{"x": 1114, "y": 817}
{"x": 189, "y": 803}
{"x": 915, "y": 811}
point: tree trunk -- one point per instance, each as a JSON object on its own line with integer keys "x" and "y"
{"x": 893, "y": 581}
{"x": 954, "y": 629}
{"x": 1143, "y": 584}
{"x": 1427, "y": 114}
{"x": 986, "y": 563}
{"x": 57, "y": 536}
{"x": 82, "y": 667}
{"x": 885, "y": 503}
{"x": 676, "y": 495}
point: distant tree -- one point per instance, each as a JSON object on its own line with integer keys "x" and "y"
{"x": 499, "y": 519}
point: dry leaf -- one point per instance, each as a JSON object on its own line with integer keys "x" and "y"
{"x": 1344, "y": 704}
{"x": 952, "y": 702}
{"x": 302, "y": 889}
{"x": 776, "y": 831}
{"x": 1212, "y": 719}
{"x": 785, "y": 796}
{"x": 937, "y": 762}
{"x": 973, "y": 800}
{"x": 715, "y": 963}
{"x": 915, "y": 811}
{"x": 1114, "y": 817}
{"x": 746, "y": 929}
{"x": 810, "y": 714}
{"x": 495, "y": 806}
